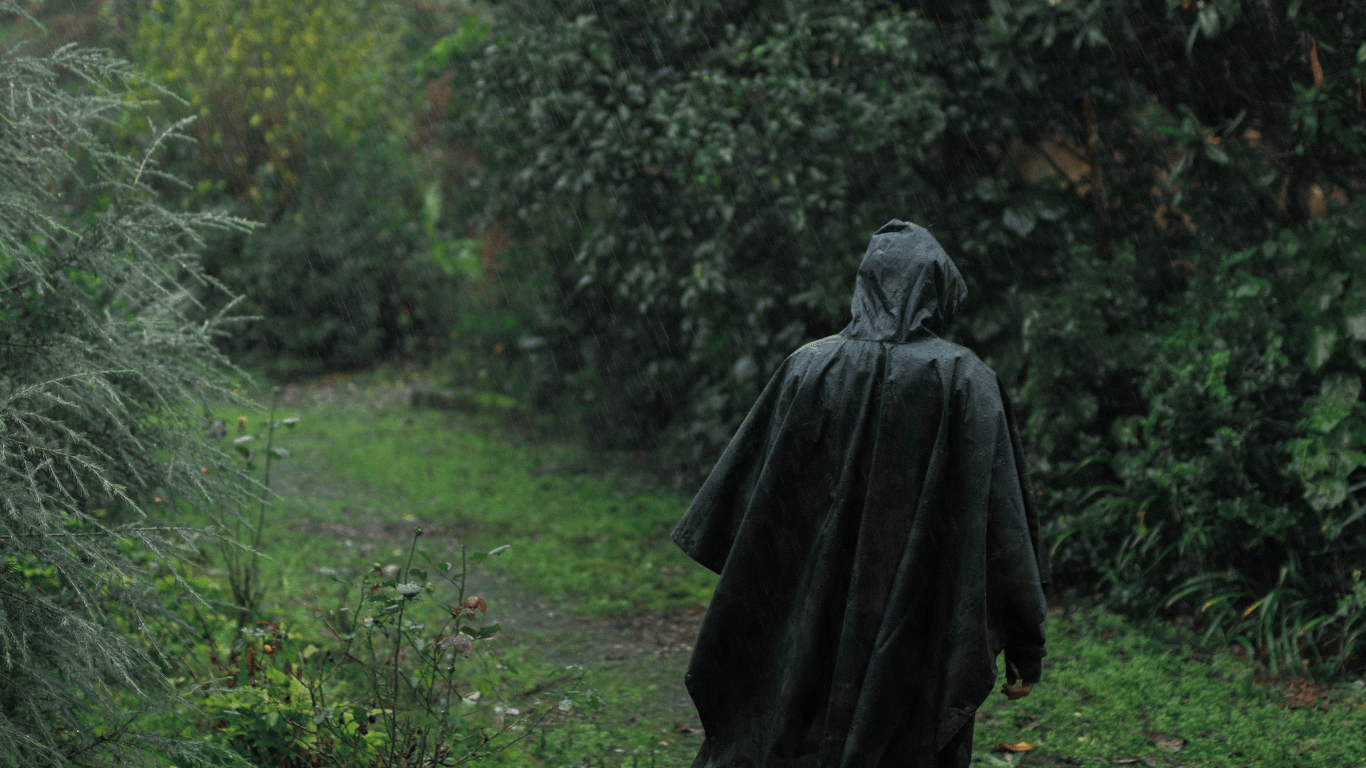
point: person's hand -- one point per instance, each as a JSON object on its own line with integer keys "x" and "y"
{"x": 1012, "y": 691}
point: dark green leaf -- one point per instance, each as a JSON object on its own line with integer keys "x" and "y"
{"x": 1321, "y": 343}
{"x": 1216, "y": 153}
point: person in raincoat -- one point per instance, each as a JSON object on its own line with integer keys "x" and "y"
{"x": 876, "y": 540}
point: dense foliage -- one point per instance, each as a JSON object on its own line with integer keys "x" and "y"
{"x": 695, "y": 173}
{"x": 1194, "y": 379}
{"x": 1154, "y": 206}
{"x": 306, "y": 111}
{"x": 103, "y": 380}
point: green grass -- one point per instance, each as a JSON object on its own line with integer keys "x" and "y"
{"x": 1113, "y": 691}
{"x": 599, "y": 540}
{"x": 585, "y": 535}
{"x": 595, "y": 543}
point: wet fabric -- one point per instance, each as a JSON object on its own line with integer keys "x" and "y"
{"x": 876, "y": 538}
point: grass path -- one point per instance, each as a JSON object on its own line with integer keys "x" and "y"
{"x": 592, "y": 578}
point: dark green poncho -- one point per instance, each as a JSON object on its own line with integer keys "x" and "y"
{"x": 876, "y": 539}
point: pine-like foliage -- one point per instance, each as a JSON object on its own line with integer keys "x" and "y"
{"x": 103, "y": 384}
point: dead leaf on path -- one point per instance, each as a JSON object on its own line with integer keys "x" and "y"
{"x": 1019, "y": 746}
{"x": 1298, "y": 692}
{"x": 1164, "y": 740}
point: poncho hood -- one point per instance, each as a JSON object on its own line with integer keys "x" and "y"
{"x": 906, "y": 286}
{"x": 875, "y": 535}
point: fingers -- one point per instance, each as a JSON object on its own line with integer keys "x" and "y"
{"x": 1012, "y": 691}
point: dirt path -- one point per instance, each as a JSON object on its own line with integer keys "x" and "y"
{"x": 650, "y": 647}
{"x": 659, "y": 642}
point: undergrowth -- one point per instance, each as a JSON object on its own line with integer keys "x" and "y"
{"x": 589, "y": 537}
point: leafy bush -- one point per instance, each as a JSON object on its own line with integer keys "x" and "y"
{"x": 306, "y": 114}
{"x": 103, "y": 376}
{"x": 700, "y": 180}
{"x": 344, "y": 281}
{"x": 1192, "y": 407}
{"x": 1232, "y": 488}
{"x": 274, "y": 86}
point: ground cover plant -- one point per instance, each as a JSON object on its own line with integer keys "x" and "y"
{"x": 384, "y": 690}
{"x": 367, "y": 469}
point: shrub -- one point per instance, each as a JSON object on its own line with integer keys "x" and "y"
{"x": 306, "y": 115}
{"x": 347, "y": 279}
{"x": 1233, "y": 487}
{"x": 700, "y": 179}
{"x": 1190, "y": 399}
{"x": 103, "y": 376}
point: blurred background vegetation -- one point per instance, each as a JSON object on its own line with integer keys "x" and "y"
{"x": 624, "y": 216}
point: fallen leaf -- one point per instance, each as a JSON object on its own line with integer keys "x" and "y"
{"x": 686, "y": 729}
{"x": 1174, "y": 744}
{"x": 1314, "y": 67}
{"x": 1019, "y": 746}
